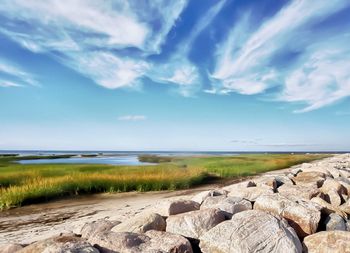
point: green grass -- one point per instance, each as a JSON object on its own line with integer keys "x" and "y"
{"x": 23, "y": 184}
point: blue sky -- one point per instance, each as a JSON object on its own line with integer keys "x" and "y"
{"x": 175, "y": 75}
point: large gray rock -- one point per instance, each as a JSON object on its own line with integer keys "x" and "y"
{"x": 327, "y": 208}
{"x": 310, "y": 178}
{"x": 302, "y": 216}
{"x": 251, "y": 231}
{"x": 266, "y": 181}
{"x": 95, "y": 227}
{"x": 166, "y": 242}
{"x": 333, "y": 198}
{"x": 167, "y": 208}
{"x": 201, "y": 196}
{"x": 141, "y": 223}
{"x": 194, "y": 224}
{"x": 335, "y": 222}
{"x": 333, "y": 185}
{"x": 250, "y": 193}
{"x": 150, "y": 242}
{"x": 327, "y": 242}
{"x": 10, "y": 248}
{"x": 299, "y": 191}
{"x": 229, "y": 205}
{"x": 237, "y": 186}
{"x": 60, "y": 244}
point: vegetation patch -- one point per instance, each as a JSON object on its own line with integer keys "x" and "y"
{"x": 22, "y": 184}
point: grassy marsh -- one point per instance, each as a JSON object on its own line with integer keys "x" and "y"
{"x": 23, "y": 184}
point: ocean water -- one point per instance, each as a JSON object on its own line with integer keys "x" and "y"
{"x": 112, "y": 160}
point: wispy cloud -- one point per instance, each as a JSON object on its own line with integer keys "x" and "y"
{"x": 245, "y": 61}
{"x": 14, "y": 76}
{"x": 132, "y": 118}
{"x": 7, "y": 84}
{"x": 179, "y": 70}
{"x": 92, "y": 39}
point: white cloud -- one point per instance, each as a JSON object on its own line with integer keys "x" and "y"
{"x": 89, "y": 35}
{"x": 13, "y": 75}
{"x": 6, "y": 84}
{"x": 132, "y": 118}
{"x": 109, "y": 70}
{"x": 245, "y": 60}
{"x": 180, "y": 70}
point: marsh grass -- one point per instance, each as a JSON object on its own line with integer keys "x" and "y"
{"x": 24, "y": 184}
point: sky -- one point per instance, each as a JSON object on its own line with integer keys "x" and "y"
{"x": 223, "y": 75}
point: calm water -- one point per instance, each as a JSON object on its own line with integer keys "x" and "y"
{"x": 112, "y": 160}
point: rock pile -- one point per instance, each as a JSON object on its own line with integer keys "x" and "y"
{"x": 304, "y": 209}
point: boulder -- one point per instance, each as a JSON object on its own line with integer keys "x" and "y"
{"x": 235, "y": 187}
{"x": 333, "y": 198}
{"x": 345, "y": 183}
{"x": 266, "y": 181}
{"x": 283, "y": 180}
{"x": 310, "y": 178}
{"x": 167, "y": 208}
{"x": 335, "y": 222}
{"x": 141, "y": 223}
{"x": 10, "y": 248}
{"x": 59, "y": 244}
{"x": 346, "y": 207}
{"x": 250, "y": 193}
{"x": 251, "y": 231}
{"x": 333, "y": 185}
{"x": 295, "y": 171}
{"x": 344, "y": 173}
{"x": 334, "y": 172}
{"x": 298, "y": 191}
{"x": 166, "y": 242}
{"x": 194, "y": 224}
{"x": 327, "y": 208}
{"x": 92, "y": 228}
{"x": 201, "y": 196}
{"x": 302, "y": 216}
{"x": 150, "y": 242}
{"x": 229, "y": 205}
{"x": 327, "y": 242}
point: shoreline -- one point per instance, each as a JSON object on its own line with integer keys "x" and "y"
{"x": 40, "y": 221}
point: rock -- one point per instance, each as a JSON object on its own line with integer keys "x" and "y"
{"x": 60, "y": 244}
{"x": 251, "y": 231}
{"x": 92, "y": 228}
{"x": 283, "y": 180}
{"x": 124, "y": 242}
{"x": 201, "y": 196}
{"x": 327, "y": 242}
{"x": 150, "y": 242}
{"x": 194, "y": 224}
{"x": 298, "y": 191}
{"x": 296, "y": 171}
{"x": 344, "y": 173}
{"x": 10, "y": 248}
{"x": 141, "y": 223}
{"x": 346, "y": 207}
{"x": 266, "y": 181}
{"x": 333, "y": 185}
{"x": 175, "y": 207}
{"x": 333, "y": 198}
{"x": 235, "y": 187}
{"x": 166, "y": 242}
{"x": 302, "y": 216}
{"x": 328, "y": 208}
{"x": 334, "y": 172}
{"x": 345, "y": 183}
{"x": 310, "y": 178}
{"x": 229, "y": 205}
{"x": 335, "y": 222}
{"x": 250, "y": 193}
